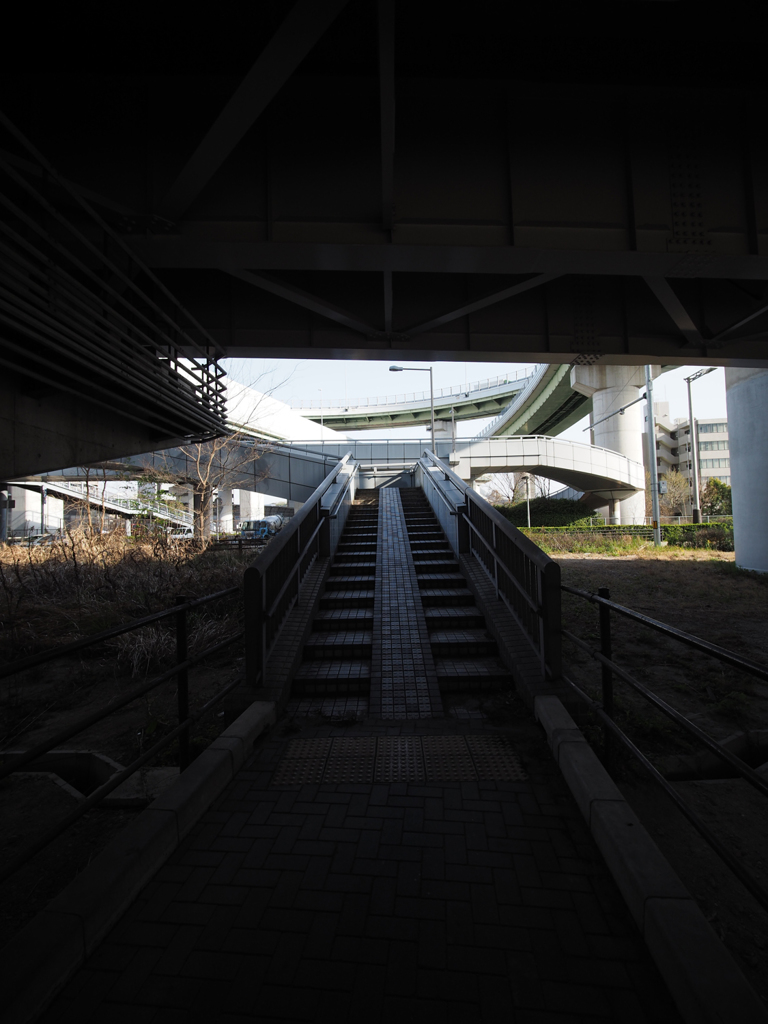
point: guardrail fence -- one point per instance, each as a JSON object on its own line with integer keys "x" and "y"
{"x": 526, "y": 579}
{"x": 273, "y": 582}
{"x": 613, "y": 734}
{"x": 180, "y": 670}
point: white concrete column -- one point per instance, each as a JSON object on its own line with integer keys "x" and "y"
{"x": 747, "y": 397}
{"x": 251, "y": 505}
{"x": 226, "y": 522}
{"x": 611, "y": 388}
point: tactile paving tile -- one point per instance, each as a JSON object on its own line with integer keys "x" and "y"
{"x": 308, "y": 748}
{"x": 446, "y": 758}
{"x": 399, "y": 759}
{"x": 299, "y": 771}
{"x": 495, "y": 758}
{"x": 351, "y": 760}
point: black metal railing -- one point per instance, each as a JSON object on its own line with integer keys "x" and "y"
{"x": 613, "y": 734}
{"x": 180, "y": 670}
{"x": 525, "y": 578}
{"x": 273, "y": 582}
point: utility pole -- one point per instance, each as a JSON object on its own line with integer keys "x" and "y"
{"x": 695, "y": 508}
{"x": 652, "y": 456}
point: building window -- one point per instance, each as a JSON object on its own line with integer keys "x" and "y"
{"x": 715, "y": 463}
{"x": 713, "y": 446}
{"x": 713, "y": 428}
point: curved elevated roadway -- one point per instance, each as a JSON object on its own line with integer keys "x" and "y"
{"x": 471, "y": 401}
{"x": 537, "y": 401}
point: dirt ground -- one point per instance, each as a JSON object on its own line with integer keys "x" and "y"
{"x": 704, "y": 594}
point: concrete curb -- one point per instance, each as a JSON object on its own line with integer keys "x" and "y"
{"x": 39, "y": 961}
{"x": 703, "y": 978}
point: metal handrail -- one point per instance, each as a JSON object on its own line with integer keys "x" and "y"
{"x": 181, "y": 730}
{"x": 604, "y": 712}
{"x": 33, "y": 660}
{"x": 180, "y": 670}
{"x": 535, "y": 606}
{"x": 704, "y": 831}
{"x": 265, "y": 612}
{"x": 722, "y": 653}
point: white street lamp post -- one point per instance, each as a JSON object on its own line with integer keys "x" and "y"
{"x": 424, "y": 369}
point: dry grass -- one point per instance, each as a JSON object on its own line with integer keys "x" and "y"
{"x": 82, "y": 584}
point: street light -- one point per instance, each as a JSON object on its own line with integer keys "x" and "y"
{"x": 695, "y": 510}
{"x": 423, "y": 369}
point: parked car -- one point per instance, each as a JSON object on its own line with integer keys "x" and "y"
{"x": 182, "y": 533}
{"x": 260, "y": 529}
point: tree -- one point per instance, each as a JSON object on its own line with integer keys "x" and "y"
{"x": 673, "y": 502}
{"x": 223, "y": 462}
{"x": 716, "y": 498}
{"x": 506, "y": 488}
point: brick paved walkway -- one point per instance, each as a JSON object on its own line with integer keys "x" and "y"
{"x": 438, "y": 902}
{"x": 403, "y": 679}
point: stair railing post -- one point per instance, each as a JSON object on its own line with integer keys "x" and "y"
{"x": 495, "y": 562}
{"x": 182, "y": 680}
{"x": 607, "y": 671}
{"x": 262, "y": 627}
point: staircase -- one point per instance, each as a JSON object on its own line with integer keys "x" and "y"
{"x": 465, "y": 654}
{"x": 337, "y": 673}
{"x": 337, "y": 656}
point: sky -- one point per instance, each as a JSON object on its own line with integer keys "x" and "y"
{"x": 347, "y": 380}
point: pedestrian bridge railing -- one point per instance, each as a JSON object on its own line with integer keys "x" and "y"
{"x": 526, "y": 579}
{"x": 273, "y": 583}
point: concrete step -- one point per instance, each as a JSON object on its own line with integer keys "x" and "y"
{"x": 430, "y": 554}
{"x": 428, "y": 581}
{"x": 332, "y": 677}
{"x": 355, "y": 557}
{"x": 363, "y": 581}
{"x": 348, "y": 568}
{"x": 436, "y": 565}
{"x": 447, "y": 596}
{"x": 350, "y": 618}
{"x": 347, "y": 599}
{"x": 462, "y": 643}
{"x": 480, "y": 673}
{"x": 463, "y": 617}
{"x": 342, "y": 644}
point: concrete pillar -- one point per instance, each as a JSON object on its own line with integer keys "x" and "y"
{"x": 747, "y": 397}
{"x": 251, "y": 505}
{"x": 226, "y": 522}
{"x": 4, "y": 511}
{"x": 611, "y": 388}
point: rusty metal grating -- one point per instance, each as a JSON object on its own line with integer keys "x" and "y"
{"x": 495, "y": 758}
{"x": 398, "y": 759}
